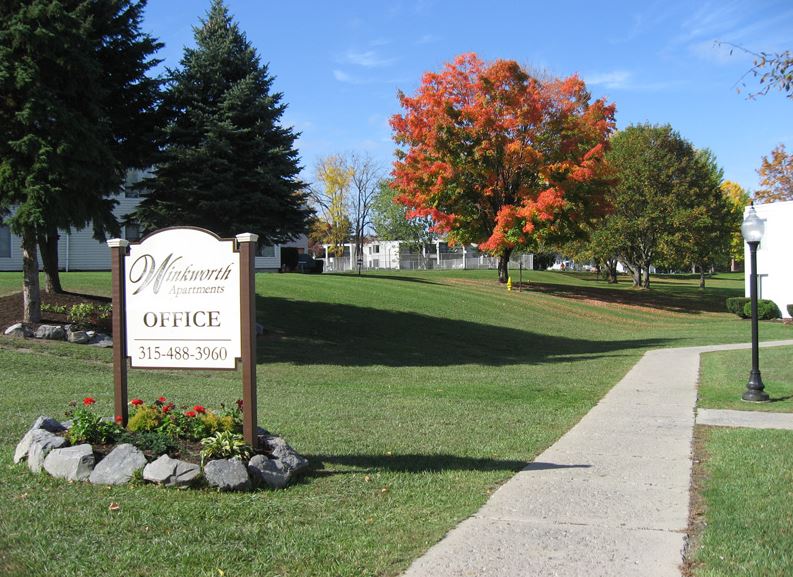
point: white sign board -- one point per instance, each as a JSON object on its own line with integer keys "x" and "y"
{"x": 182, "y": 291}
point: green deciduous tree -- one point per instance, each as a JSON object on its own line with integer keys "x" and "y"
{"x": 227, "y": 164}
{"x": 390, "y": 219}
{"x": 665, "y": 202}
{"x": 76, "y": 110}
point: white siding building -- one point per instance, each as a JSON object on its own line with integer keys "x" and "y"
{"x": 774, "y": 260}
{"x": 78, "y": 250}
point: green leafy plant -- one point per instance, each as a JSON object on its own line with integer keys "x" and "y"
{"x": 88, "y": 427}
{"x": 158, "y": 442}
{"x": 145, "y": 418}
{"x": 224, "y": 445}
{"x": 736, "y": 305}
{"x": 766, "y": 310}
{"x": 58, "y": 309}
{"x": 85, "y": 314}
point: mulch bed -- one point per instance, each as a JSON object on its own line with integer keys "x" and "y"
{"x": 11, "y": 307}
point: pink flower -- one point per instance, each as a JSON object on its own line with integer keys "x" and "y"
{"x": 88, "y": 401}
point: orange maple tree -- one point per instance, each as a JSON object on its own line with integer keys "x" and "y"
{"x": 500, "y": 158}
{"x": 776, "y": 176}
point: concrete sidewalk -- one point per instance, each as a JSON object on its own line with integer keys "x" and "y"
{"x": 609, "y": 499}
{"x": 745, "y": 419}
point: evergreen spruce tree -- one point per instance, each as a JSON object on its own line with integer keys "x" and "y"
{"x": 227, "y": 165}
{"x": 75, "y": 109}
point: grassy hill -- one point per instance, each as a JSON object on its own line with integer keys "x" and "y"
{"x": 414, "y": 395}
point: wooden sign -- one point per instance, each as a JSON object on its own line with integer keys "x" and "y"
{"x": 184, "y": 298}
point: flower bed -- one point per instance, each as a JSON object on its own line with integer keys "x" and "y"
{"x": 188, "y": 446}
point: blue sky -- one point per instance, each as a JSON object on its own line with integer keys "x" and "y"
{"x": 340, "y": 64}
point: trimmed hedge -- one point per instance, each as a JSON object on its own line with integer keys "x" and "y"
{"x": 766, "y": 310}
{"x": 736, "y": 305}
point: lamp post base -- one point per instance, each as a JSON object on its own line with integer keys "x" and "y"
{"x": 754, "y": 389}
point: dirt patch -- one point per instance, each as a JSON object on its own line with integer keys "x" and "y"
{"x": 11, "y": 307}
{"x": 696, "y": 507}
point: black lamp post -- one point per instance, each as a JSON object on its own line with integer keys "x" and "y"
{"x": 752, "y": 230}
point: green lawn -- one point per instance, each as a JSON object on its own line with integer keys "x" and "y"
{"x": 723, "y": 377}
{"x": 413, "y": 395}
{"x": 92, "y": 283}
{"x": 748, "y": 493}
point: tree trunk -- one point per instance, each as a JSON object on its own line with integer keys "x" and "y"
{"x": 503, "y": 265}
{"x": 611, "y": 271}
{"x": 30, "y": 279}
{"x": 702, "y": 277}
{"x": 637, "y": 276}
{"x": 646, "y": 283}
{"x": 48, "y": 247}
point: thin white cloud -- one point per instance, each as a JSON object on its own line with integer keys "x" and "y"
{"x": 426, "y": 39}
{"x": 616, "y": 79}
{"x": 367, "y": 59}
{"x": 623, "y": 80}
{"x": 342, "y": 76}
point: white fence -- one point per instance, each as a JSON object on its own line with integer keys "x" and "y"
{"x": 430, "y": 262}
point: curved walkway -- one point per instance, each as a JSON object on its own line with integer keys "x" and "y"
{"x": 610, "y": 498}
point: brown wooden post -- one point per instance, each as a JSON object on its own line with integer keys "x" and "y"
{"x": 118, "y": 252}
{"x": 247, "y": 244}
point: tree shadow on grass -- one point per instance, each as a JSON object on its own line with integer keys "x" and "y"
{"x": 422, "y": 464}
{"x": 686, "y": 300}
{"x": 312, "y": 333}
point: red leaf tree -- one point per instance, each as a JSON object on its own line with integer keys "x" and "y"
{"x": 500, "y": 158}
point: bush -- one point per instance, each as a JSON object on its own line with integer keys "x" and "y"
{"x": 736, "y": 305}
{"x": 766, "y": 310}
{"x": 790, "y": 310}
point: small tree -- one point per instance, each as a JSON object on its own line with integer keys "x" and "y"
{"x": 737, "y": 199}
{"x": 776, "y": 176}
{"x": 390, "y": 219}
{"x": 499, "y": 158}
{"x": 330, "y": 197}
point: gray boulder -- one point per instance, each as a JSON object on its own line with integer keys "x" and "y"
{"x": 71, "y": 463}
{"x": 171, "y": 472}
{"x": 270, "y": 472}
{"x": 227, "y": 475}
{"x": 76, "y": 336}
{"x": 101, "y": 340}
{"x": 51, "y": 333}
{"x": 41, "y": 437}
{"x": 48, "y": 424}
{"x": 19, "y": 330}
{"x": 118, "y": 466}
{"x": 288, "y": 457}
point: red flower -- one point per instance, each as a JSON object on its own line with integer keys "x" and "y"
{"x": 136, "y": 402}
{"x": 239, "y": 404}
{"x": 199, "y": 409}
{"x": 119, "y": 418}
{"x": 189, "y": 414}
{"x": 162, "y": 399}
{"x": 167, "y": 407}
{"x": 88, "y": 401}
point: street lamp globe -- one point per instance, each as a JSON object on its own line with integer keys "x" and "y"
{"x": 752, "y": 227}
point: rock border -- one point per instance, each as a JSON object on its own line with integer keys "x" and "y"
{"x": 45, "y": 450}
{"x": 68, "y": 333}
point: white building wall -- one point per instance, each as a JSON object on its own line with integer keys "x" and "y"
{"x": 774, "y": 255}
{"x": 78, "y": 250}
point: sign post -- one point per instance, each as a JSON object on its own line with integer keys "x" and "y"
{"x": 183, "y": 298}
